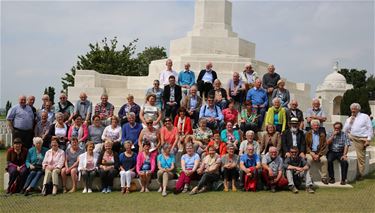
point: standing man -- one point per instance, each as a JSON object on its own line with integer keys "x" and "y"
{"x": 248, "y": 76}
{"x": 186, "y": 79}
{"x": 205, "y": 80}
{"x": 259, "y": 100}
{"x": 316, "y": 147}
{"x": 358, "y": 126}
{"x": 65, "y": 107}
{"x": 84, "y": 108}
{"x": 316, "y": 113}
{"x": 270, "y": 80}
{"x": 338, "y": 146}
{"x": 172, "y": 97}
{"x": 105, "y": 110}
{"x": 20, "y": 121}
{"x": 164, "y": 75}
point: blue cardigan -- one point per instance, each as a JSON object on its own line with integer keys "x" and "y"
{"x": 31, "y": 156}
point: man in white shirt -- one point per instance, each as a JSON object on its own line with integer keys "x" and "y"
{"x": 359, "y": 128}
{"x": 164, "y": 75}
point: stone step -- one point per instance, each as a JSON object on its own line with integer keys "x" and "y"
{"x": 335, "y": 185}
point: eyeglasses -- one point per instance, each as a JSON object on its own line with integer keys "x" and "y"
{"x": 167, "y": 121}
{"x": 293, "y": 152}
{"x": 149, "y": 123}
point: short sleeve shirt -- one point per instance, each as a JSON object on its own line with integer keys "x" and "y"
{"x": 275, "y": 165}
{"x": 166, "y": 163}
{"x": 189, "y": 160}
{"x": 250, "y": 161}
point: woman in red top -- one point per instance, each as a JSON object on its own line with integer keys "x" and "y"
{"x": 183, "y": 123}
{"x": 16, "y": 159}
{"x": 169, "y": 134}
{"x": 220, "y": 147}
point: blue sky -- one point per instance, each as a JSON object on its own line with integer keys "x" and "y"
{"x": 40, "y": 41}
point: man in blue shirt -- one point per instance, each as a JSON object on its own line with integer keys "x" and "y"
{"x": 186, "y": 79}
{"x": 316, "y": 149}
{"x": 259, "y": 100}
{"x": 212, "y": 113}
{"x": 131, "y": 131}
{"x": 21, "y": 121}
{"x": 249, "y": 164}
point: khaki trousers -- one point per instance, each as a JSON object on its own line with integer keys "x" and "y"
{"x": 323, "y": 165}
{"x": 163, "y": 177}
{"x": 51, "y": 174}
{"x": 359, "y": 143}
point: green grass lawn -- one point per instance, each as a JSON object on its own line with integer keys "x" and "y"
{"x": 359, "y": 199}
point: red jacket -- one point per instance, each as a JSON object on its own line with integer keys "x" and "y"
{"x": 222, "y": 148}
{"x": 188, "y": 130}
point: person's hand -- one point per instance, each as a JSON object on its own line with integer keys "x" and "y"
{"x": 366, "y": 144}
{"x": 154, "y": 123}
{"x": 287, "y": 155}
{"x": 32, "y": 167}
{"x": 315, "y": 157}
{"x": 68, "y": 170}
{"x": 270, "y": 173}
{"x": 191, "y": 112}
{"x": 302, "y": 155}
{"x": 344, "y": 157}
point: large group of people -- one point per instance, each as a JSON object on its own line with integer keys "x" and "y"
{"x": 186, "y": 129}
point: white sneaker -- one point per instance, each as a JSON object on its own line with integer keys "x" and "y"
{"x": 89, "y": 190}
{"x": 84, "y": 190}
{"x": 160, "y": 190}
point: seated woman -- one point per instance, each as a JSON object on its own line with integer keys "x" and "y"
{"x": 145, "y": 166}
{"x": 128, "y": 161}
{"x": 59, "y": 130}
{"x": 150, "y": 111}
{"x": 131, "y": 131}
{"x": 230, "y": 135}
{"x": 202, "y": 136}
{"x": 113, "y": 133}
{"x": 270, "y": 138}
{"x": 52, "y": 163}
{"x": 150, "y": 135}
{"x": 108, "y": 165}
{"x": 95, "y": 133}
{"x": 183, "y": 124}
{"x": 87, "y": 166}
{"x": 249, "y": 165}
{"x": 249, "y": 119}
{"x": 219, "y": 146}
{"x": 230, "y": 114}
{"x": 229, "y": 168}
{"x": 276, "y": 115}
{"x": 282, "y": 93}
{"x": 169, "y": 135}
{"x": 189, "y": 166}
{"x": 158, "y": 92}
{"x": 210, "y": 171}
{"x": 131, "y": 106}
{"x": 166, "y": 166}
{"x": 34, "y": 162}
{"x": 220, "y": 94}
{"x": 78, "y": 130}
{"x": 71, "y": 165}
{"x": 16, "y": 166}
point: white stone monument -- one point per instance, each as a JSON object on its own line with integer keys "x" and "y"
{"x": 211, "y": 39}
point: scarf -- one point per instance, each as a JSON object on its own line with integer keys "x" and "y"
{"x": 181, "y": 125}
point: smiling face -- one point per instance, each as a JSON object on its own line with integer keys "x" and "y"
{"x": 22, "y": 101}
{"x": 229, "y": 126}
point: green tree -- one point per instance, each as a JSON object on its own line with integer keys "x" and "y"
{"x": 363, "y": 90}
{"x": 106, "y": 58}
{"x": 50, "y": 91}
{"x": 355, "y": 77}
{"x": 8, "y": 105}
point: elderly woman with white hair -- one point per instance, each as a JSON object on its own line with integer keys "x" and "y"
{"x": 34, "y": 162}
{"x": 59, "y": 130}
{"x": 276, "y": 115}
{"x": 282, "y": 93}
{"x": 128, "y": 161}
{"x": 87, "y": 166}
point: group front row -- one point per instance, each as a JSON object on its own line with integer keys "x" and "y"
{"x": 26, "y": 167}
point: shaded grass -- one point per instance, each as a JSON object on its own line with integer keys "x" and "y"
{"x": 359, "y": 199}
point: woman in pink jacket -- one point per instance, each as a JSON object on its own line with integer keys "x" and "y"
{"x": 52, "y": 163}
{"x": 78, "y": 130}
{"x": 145, "y": 166}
